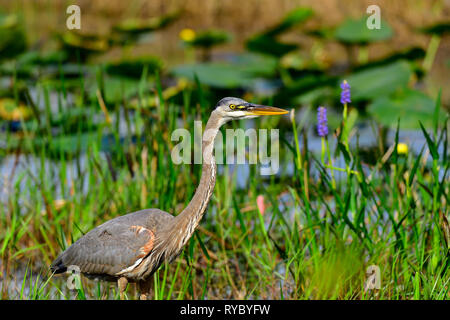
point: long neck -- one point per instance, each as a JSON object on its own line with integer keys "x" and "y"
{"x": 186, "y": 222}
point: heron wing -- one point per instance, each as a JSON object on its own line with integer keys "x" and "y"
{"x": 108, "y": 249}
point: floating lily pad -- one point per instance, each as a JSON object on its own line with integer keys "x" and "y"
{"x": 408, "y": 105}
{"x": 379, "y": 81}
{"x": 208, "y": 38}
{"x": 321, "y": 33}
{"x": 266, "y": 41}
{"x": 438, "y": 28}
{"x": 42, "y": 58}
{"x": 133, "y": 68}
{"x": 303, "y": 85}
{"x": 256, "y": 64}
{"x": 269, "y": 45}
{"x": 137, "y": 26}
{"x": 293, "y": 18}
{"x": 31, "y": 63}
{"x": 219, "y": 75}
{"x": 241, "y": 73}
{"x": 12, "y": 36}
{"x": 81, "y": 46}
{"x": 357, "y": 32}
{"x": 411, "y": 54}
{"x": 86, "y": 42}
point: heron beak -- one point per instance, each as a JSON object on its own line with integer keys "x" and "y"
{"x": 259, "y": 110}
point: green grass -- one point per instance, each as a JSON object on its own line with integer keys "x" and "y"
{"x": 320, "y": 232}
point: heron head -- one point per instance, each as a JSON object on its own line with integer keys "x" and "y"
{"x": 231, "y": 108}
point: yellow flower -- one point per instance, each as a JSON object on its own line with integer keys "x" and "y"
{"x": 10, "y": 111}
{"x": 187, "y": 35}
{"x": 402, "y": 148}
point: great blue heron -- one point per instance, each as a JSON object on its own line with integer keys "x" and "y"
{"x": 131, "y": 247}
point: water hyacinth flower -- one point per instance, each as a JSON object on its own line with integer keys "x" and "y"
{"x": 322, "y": 125}
{"x": 345, "y": 93}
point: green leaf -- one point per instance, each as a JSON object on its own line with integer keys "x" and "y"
{"x": 408, "y": 105}
{"x": 357, "y": 32}
{"x": 431, "y": 145}
{"x": 348, "y": 125}
{"x": 209, "y": 38}
{"x": 345, "y": 152}
{"x": 132, "y": 68}
{"x": 438, "y": 29}
{"x": 436, "y": 112}
{"x": 379, "y": 81}
{"x": 415, "y": 167}
{"x": 241, "y": 73}
{"x": 293, "y": 18}
{"x": 269, "y": 45}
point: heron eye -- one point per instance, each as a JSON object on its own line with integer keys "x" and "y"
{"x": 232, "y": 106}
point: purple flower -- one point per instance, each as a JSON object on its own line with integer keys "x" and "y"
{"x": 322, "y": 126}
{"x": 345, "y": 93}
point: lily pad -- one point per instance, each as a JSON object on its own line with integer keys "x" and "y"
{"x": 12, "y": 36}
{"x": 137, "y": 26}
{"x": 266, "y": 41}
{"x": 31, "y": 63}
{"x": 237, "y": 74}
{"x": 292, "y": 19}
{"x": 410, "y": 54}
{"x": 356, "y": 32}
{"x": 85, "y": 42}
{"x": 438, "y": 28}
{"x": 269, "y": 45}
{"x": 408, "y": 105}
{"x": 379, "y": 81}
{"x": 208, "y": 38}
{"x": 218, "y": 74}
{"x": 256, "y": 64}
{"x": 133, "y": 68}
{"x": 294, "y": 92}
{"x": 321, "y": 33}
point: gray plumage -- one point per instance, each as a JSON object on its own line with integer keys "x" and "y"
{"x": 112, "y": 246}
{"x": 133, "y": 246}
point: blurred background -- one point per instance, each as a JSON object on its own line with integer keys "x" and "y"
{"x": 292, "y": 52}
{"x": 86, "y": 115}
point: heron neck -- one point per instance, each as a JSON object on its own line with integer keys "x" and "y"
{"x": 190, "y": 217}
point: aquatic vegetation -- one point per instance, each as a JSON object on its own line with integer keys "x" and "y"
{"x": 322, "y": 126}
{"x": 135, "y": 26}
{"x": 11, "y": 111}
{"x": 133, "y": 68}
{"x": 267, "y": 42}
{"x": 12, "y": 36}
{"x": 345, "y": 93}
{"x": 353, "y": 31}
{"x": 205, "y": 39}
{"x": 84, "y": 140}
